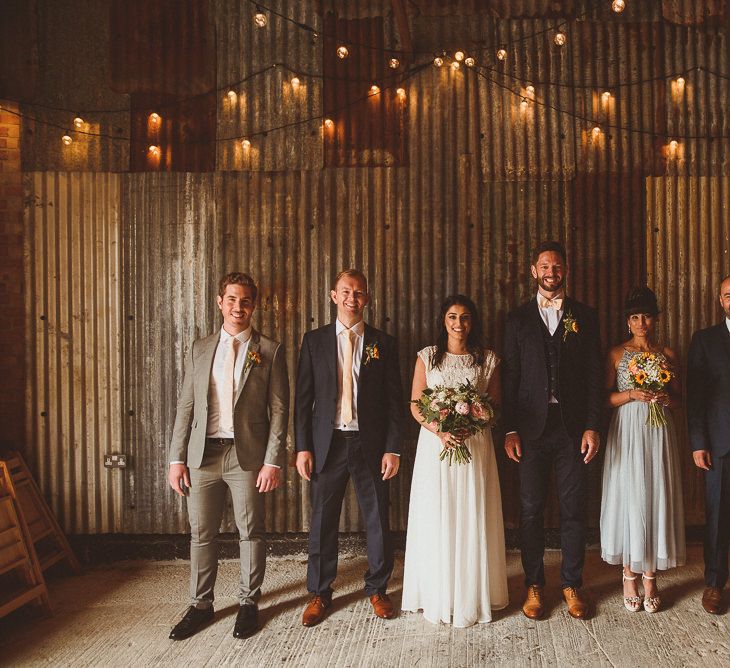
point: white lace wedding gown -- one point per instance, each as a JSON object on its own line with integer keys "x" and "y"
{"x": 455, "y": 568}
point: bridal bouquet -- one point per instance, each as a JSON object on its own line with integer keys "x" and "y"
{"x": 650, "y": 371}
{"x": 455, "y": 410}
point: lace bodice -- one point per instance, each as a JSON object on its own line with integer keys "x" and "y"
{"x": 457, "y": 369}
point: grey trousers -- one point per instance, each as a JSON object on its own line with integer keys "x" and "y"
{"x": 218, "y": 472}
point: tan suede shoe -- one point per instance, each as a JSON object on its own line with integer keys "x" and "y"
{"x": 533, "y": 607}
{"x": 712, "y": 600}
{"x": 577, "y": 605}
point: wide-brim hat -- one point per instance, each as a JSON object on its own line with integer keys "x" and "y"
{"x": 641, "y": 300}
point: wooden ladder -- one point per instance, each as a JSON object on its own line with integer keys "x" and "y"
{"x": 20, "y": 571}
{"x": 46, "y": 534}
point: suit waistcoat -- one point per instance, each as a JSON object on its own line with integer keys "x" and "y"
{"x": 552, "y": 358}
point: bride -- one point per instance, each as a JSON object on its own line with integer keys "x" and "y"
{"x": 455, "y": 567}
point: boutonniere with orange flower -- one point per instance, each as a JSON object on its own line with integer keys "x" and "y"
{"x": 372, "y": 352}
{"x": 253, "y": 358}
{"x": 570, "y": 325}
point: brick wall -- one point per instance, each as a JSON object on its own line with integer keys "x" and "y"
{"x": 12, "y": 310}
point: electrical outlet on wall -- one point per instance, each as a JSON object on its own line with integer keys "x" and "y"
{"x": 115, "y": 460}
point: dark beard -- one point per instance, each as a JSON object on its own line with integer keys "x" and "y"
{"x": 556, "y": 288}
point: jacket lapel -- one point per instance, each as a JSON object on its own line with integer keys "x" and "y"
{"x": 370, "y": 336}
{"x": 329, "y": 350}
{"x": 204, "y": 362}
{"x": 253, "y": 347}
{"x": 725, "y": 338}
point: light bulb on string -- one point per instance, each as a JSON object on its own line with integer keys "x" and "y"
{"x": 329, "y": 123}
{"x": 374, "y": 89}
{"x": 524, "y": 104}
{"x": 154, "y": 118}
{"x": 530, "y": 89}
{"x": 596, "y": 131}
{"x": 459, "y": 55}
{"x": 232, "y": 95}
{"x": 438, "y": 61}
{"x": 394, "y": 63}
{"x": 455, "y": 65}
{"x": 66, "y": 139}
{"x": 78, "y": 122}
{"x": 606, "y": 96}
{"x": 560, "y": 38}
{"x": 154, "y": 150}
{"x": 342, "y": 52}
{"x": 245, "y": 144}
{"x": 680, "y": 81}
{"x": 470, "y": 62}
{"x": 295, "y": 82}
{"x": 259, "y": 18}
{"x": 401, "y": 93}
{"x": 502, "y": 54}
{"x": 673, "y": 148}
{"x": 618, "y": 6}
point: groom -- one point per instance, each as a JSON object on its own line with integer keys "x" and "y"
{"x": 708, "y": 412}
{"x": 552, "y": 400}
{"x": 347, "y": 417}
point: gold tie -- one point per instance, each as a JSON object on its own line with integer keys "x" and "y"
{"x": 229, "y": 386}
{"x": 555, "y": 303}
{"x": 346, "y": 411}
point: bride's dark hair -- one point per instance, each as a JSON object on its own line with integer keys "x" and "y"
{"x": 475, "y": 340}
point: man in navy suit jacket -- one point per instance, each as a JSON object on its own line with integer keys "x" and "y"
{"x": 708, "y": 413}
{"x": 348, "y": 418}
{"x": 552, "y": 394}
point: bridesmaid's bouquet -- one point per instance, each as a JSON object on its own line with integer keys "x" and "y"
{"x": 457, "y": 410}
{"x": 650, "y": 371}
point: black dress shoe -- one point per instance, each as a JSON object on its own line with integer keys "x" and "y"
{"x": 193, "y": 620}
{"x": 247, "y": 621}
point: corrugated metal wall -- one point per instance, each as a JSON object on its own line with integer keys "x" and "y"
{"x": 483, "y": 181}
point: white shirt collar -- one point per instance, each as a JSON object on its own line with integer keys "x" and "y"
{"x": 727, "y": 324}
{"x": 541, "y": 296}
{"x": 242, "y": 337}
{"x": 359, "y": 328}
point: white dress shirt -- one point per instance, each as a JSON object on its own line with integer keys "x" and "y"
{"x": 341, "y": 331}
{"x": 550, "y": 316}
{"x": 727, "y": 324}
{"x": 217, "y": 382}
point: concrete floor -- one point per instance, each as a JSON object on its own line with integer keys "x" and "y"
{"x": 120, "y": 615}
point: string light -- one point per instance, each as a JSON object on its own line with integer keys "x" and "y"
{"x": 561, "y": 38}
{"x": 66, "y": 139}
{"x": 342, "y": 52}
{"x": 401, "y": 92}
{"x": 673, "y": 148}
{"x": 394, "y": 63}
{"x": 78, "y": 122}
{"x": 232, "y": 95}
{"x": 245, "y": 144}
{"x": 295, "y": 82}
{"x": 470, "y": 62}
{"x": 329, "y": 123}
{"x": 438, "y": 61}
{"x": 530, "y": 89}
{"x": 680, "y": 82}
{"x": 618, "y": 6}
{"x": 596, "y": 131}
{"x": 154, "y": 118}
{"x": 455, "y": 65}
{"x": 501, "y": 54}
{"x": 259, "y": 18}
{"x": 154, "y": 150}
{"x": 524, "y": 104}
{"x": 459, "y": 55}
{"x": 606, "y": 96}
{"x": 374, "y": 90}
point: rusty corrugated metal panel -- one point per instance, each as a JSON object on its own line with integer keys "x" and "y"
{"x": 73, "y": 305}
{"x": 688, "y": 254}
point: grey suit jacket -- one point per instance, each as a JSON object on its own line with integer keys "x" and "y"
{"x": 260, "y": 413}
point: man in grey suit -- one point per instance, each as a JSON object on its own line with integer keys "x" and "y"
{"x": 230, "y": 432}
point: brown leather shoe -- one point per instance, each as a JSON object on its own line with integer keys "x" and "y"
{"x": 577, "y": 606}
{"x": 533, "y": 606}
{"x": 712, "y": 600}
{"x": 382, "y": 606}
{"x": 314, "y": 612}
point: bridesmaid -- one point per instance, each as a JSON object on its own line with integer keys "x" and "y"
{"x": 642, "y": 516}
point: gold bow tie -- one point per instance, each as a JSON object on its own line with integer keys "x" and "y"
{"x": 556, "y": 303}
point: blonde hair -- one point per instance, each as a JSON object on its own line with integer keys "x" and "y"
{"x": 350, "y": 273}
